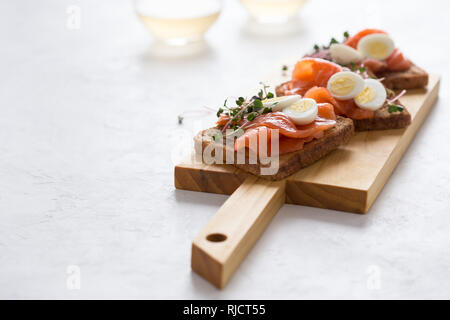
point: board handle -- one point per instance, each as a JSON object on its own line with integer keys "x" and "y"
{"x": 221, "y": 246}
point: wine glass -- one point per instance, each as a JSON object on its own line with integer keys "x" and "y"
{"x": 178, "y": 22}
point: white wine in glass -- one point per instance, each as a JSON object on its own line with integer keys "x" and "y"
{"x": 273, "y": 11}
{"x": 178, "y": 22}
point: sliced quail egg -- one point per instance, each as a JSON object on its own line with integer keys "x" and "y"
{"x": 279, "y": 103}
{"x": 376, "y": 46}
{"x": 344, "y": 55}
{"x": 373, "y": 96}
{"x": 302, "y": 112}
{"x": 345, "y": 85}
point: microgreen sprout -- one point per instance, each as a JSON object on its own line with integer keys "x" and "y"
{"x": 333, "y": 41}
{"x": 394, "y": 108}
{"x": 246, "y": 109}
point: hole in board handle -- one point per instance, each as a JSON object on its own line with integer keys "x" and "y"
{"x": 216, "y": 237}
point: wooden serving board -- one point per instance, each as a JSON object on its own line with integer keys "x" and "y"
{"x": 349, "y": 179}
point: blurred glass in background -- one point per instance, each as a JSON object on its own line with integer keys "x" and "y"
{"x": 273, "y": 11}
{"x": 178, "y": 22}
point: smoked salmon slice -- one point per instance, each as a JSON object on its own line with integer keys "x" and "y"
{"x": 292, "y": 137}
{"x": 311, "y": 72}
{"x": 396, "y": 62}
{"x": 375, "y": 65}
{"x": 354, "y": 40}
{"x": 347, "y": 108}
{"x": 308, "y": 73}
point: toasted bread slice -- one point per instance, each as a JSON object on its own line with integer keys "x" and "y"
{"x": 292, "y": 162}
{"x": 413, "y": 78}
{"x": 382, "y": 120}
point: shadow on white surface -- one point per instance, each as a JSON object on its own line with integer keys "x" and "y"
{"x": 200, "y": 198}
{"x": 290, "y": 212}
{"x": 203, "y": 288}
{"x": 161, "y": 51}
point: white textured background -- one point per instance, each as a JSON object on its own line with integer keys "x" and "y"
{"x": 86, "y": 176}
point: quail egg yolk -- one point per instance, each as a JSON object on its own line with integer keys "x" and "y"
{"x": 377, "y": 49}
{"x": 302, "y": 106}
{"x": 368, "y": 95}
{"x": 342, "y": 86}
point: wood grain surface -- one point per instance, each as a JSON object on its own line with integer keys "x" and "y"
{"x": 228, "y": 237}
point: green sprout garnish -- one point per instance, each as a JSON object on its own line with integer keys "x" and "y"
{"x": 240, "y": 101}
{"x": 333, "y": 41}
{"x": 395, "y": 108}
{"x": 267, "y": 110}
{"x": 246, "y": 108}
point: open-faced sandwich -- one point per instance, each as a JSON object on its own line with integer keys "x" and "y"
{"x": 354, "y": 93}
{"x": 375, "y": 51}
{"x": 273, "y": 137}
